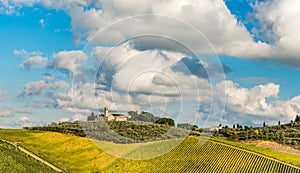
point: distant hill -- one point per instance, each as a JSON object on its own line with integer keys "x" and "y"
{"x": 117, "y": 131}
{"x": 286, "y": 134}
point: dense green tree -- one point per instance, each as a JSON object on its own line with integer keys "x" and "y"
{"x": 132, "y": 113}
{"x": 168, "y": 121}
{"x": 143, "y": 116}
{"x": 187, "y": 126}
{"x": 267, "y": 136}
{"x": 92, "y": 117}
{"x": 297, "y": 119}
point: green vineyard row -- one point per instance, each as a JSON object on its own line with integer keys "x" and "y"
{"x": 212, "y": 156}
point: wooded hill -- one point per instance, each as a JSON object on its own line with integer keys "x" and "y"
{"x": 287, "y": 134}
{"x": 116, "y": 131}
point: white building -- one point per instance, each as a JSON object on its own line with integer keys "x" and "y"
{"x": 215, "y": 128}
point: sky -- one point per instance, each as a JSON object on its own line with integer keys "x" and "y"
{"x": 205, "y": 62}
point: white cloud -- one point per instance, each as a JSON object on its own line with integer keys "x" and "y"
{"x": 225, "y": 33}
{"x": 39, "y": 87}
{"x": 143, "y": 79}
{"x": 82, "y": 100}
{"x": 222, "y": 29}
{"x": 75, "y": 117}
{"x": 23, "y": 121}
{"x": 211, "y": 17}
{"x": 42, "y": 23}
{"x": 132, "y": 80}
{"x": 8, "y": 112}
{"x": 138, "y": 74}
{"x": 279, "y": 25}
{"x": 34, "y": 62}
{"x": 20, "y": 52}
{"x": 251, "y": 103}
{"x": 64, "y": 119}
{"x": 290, "y": 108}
{"x": 146, "y": 72}
{"x": 24, "y": 118}
{"x": 69, "y": 60}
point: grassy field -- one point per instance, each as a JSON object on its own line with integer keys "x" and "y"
{"x": 12, "y": 160}
{"x": 70, "y": 153}
{"x": 77, "y": 154}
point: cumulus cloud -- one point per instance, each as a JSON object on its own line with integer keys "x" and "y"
{"x": 143, "y": 72}
{"x": 222, "y": 30}
{"x": 252, "y": 104}
{"x": 34, "y": 62}
{"x": 288, "y": 108}
{"x": 278, "y": 25}
{"x": 69, "y": 61}
{"x": 130, "y": 79}
{"x": 250, "y": 101}
{"x": 277, "y": 30}
{"x": 8, "y": 112}
{"x": 84, "y": 99}
{"x": 39, "y": 87}
{"x": 129, "y": 70}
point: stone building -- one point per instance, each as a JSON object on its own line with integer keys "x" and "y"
{"x": 109, "y": 117}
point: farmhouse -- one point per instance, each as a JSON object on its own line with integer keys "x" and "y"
{"x": 113, "y": 117}
{"x": 215, "y": 128}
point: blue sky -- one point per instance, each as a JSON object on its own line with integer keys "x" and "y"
{"x": 54, "y": 64}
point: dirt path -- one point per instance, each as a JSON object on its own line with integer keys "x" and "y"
{"x": 15, "y": 144}
{"x": 273, "y": 146}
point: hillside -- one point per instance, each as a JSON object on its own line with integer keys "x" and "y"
{"x": 286, "y": 134}
{"x": 79, "y": 154}
{"x": 12, "y": 160}
{"x": 116, "y": 131}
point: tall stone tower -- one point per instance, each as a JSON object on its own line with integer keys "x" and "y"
{"x": 105, "y": 112}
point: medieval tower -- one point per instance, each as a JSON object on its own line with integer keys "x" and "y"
{"x": 106, "y": 112}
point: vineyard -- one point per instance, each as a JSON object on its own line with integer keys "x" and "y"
{"x": 193, "y": 154}
{"x": 12, "y": 160}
